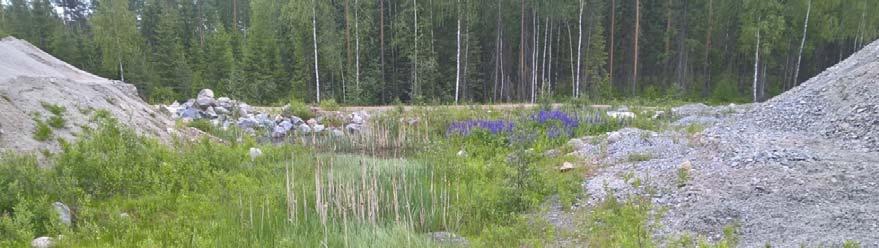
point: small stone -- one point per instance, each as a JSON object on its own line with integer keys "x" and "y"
{"x": 43, "y": 242}
{"x": 311, "y": 122}
{"x": 462, "y": 153}
{"x": 255, "y": 153}
{"x": 567, "y": 166}
{"x": 448, "y": 238}
{"x": 353, "y": 128}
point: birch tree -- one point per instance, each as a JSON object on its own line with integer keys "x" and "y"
{"x": 802, "y": 43}
{"x": 314, "y": 35}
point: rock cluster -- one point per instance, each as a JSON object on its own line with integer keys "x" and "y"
{"x": 225, "y": 113}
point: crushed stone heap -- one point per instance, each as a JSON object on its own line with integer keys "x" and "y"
{"x": 32, "y": 81}
{"x": 842, "y": 103}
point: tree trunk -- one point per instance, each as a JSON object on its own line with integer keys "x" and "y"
{"x": 756, "y": 63}
{"x": 356, "y": 47}
{"x": 121, "y": 71}
{"x": 571, "y": 60}
{"x": 802, "y": 43}
{"x": 314, "y": 34}
{"x": 613, "y": 11}
{"x": 543, "y": 64}
{"x": 458, "y": 57}
{"x": 635, "y": 57}
{"x": 522, "y": 43}
{"x": 497, "y": 54}
{"x": 707, "y": 71}
{"x": 579, "y": 50}
{"x": 415, "y": 56}
{"x": 534, "y": 55}
{"x": 381, "y": 28}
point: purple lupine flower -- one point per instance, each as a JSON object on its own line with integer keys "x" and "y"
{"x": 492, "y": 126}
{"x": 566, "y": 120}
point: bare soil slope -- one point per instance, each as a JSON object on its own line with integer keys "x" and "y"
{"x": 30, "y": 77}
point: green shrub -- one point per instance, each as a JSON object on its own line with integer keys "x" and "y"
{"x": 329, "y": 105}
{"x": 54, "y": 109}
{"x": 42, "y": 131}
{"x": 299, "y": 109}
{"x": 162, "y": 95}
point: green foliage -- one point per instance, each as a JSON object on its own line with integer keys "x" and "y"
{"x": 329, "y": 105}
{"x": 299, "y": 109}
{"x": 54, "y": 109}
{"x": 42, "y": 130}
{"x": 639, "y": 157}
{"x": 621, "y": 224}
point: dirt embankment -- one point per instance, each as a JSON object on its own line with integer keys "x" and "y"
{"x": 31, "y": 80}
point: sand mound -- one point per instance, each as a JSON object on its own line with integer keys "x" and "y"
{"x": 31, "y": 78}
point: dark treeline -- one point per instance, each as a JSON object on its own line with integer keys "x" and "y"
{"x": 381, "y": 51}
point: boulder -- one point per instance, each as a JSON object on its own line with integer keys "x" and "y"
{"x": 247, "y": 122}
{"x": 189, "y": 113}
{"x": 286, "y": 125}
{"x": 296, "y": 121}
{"x": 43, "y": 242}
{"x": 448, "y": 238}
{"x": 304, "y": 128}
{"x": 358, "y": 117}
{"x": 318, "y": 128}
{"x": 221, "y": 110}
{"x": 244, "y": 109}
{"x": 210, "y": 113}
{"x": 63, "y": 213}
{"x": 353, "y": 128}
{"x": 338, "y": 133}
{"x": 207, "y": 93}
{"x": 279, "y": 132}
{"x": 621, "y": 114}
{"x": 204, "y": 102}
{"x": 311, "y": 122}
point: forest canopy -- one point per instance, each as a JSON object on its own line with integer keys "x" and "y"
{"x": 446, "y": 51}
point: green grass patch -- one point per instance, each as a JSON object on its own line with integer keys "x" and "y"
{"x": 42, "y": 130}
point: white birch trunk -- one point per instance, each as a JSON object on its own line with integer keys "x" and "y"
{"x": 543, "y": 64}
{"x": 458, "y": 59}
{"x": 534, "y": 51}
{"x": 356, "y": 47}
{"x": 802, "y": 44}
{"x": 756, "y": 62}
{"x": 314, "y": 34}
{"x": 415, "y": 57}
{"x": 579, "y": 50}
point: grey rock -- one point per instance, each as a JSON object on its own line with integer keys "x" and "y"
{"x": 296, "y": 121}
{"x": 338, "y": 133}
{"x": 311, "y": 122}
{"x": 43, "y": 242}
{"x": 304, "y": 129}
{"x": 204, "y": 102}
{"x": 318, "y": 128}
{"x": 353, "y": 128}
{"x": 247, "y": 122}
{"x": 189, "y": 113}
{"x": 206, "y": 93}
{"x": 222, "y": 110}
{"x": 254, "y": 153}
{"x": 448, "y": 238}
{"x": 279, "y": 132}
{"x": 63, "y": 212}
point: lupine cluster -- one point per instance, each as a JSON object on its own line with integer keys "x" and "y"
{"x": 492, "y": 126}
{"x": 566, "y": 120}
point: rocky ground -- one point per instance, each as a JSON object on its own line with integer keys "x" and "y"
{"x": 799, "y": 169}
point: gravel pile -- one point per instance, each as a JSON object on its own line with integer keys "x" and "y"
{"x": 842, "y": 103}
{"x": 31, "y": 80}
{"x": 798, "y": 170}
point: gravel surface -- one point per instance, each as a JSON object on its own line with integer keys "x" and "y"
{"x": 798, "y": 170}
{"x": 30, "y": 77}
